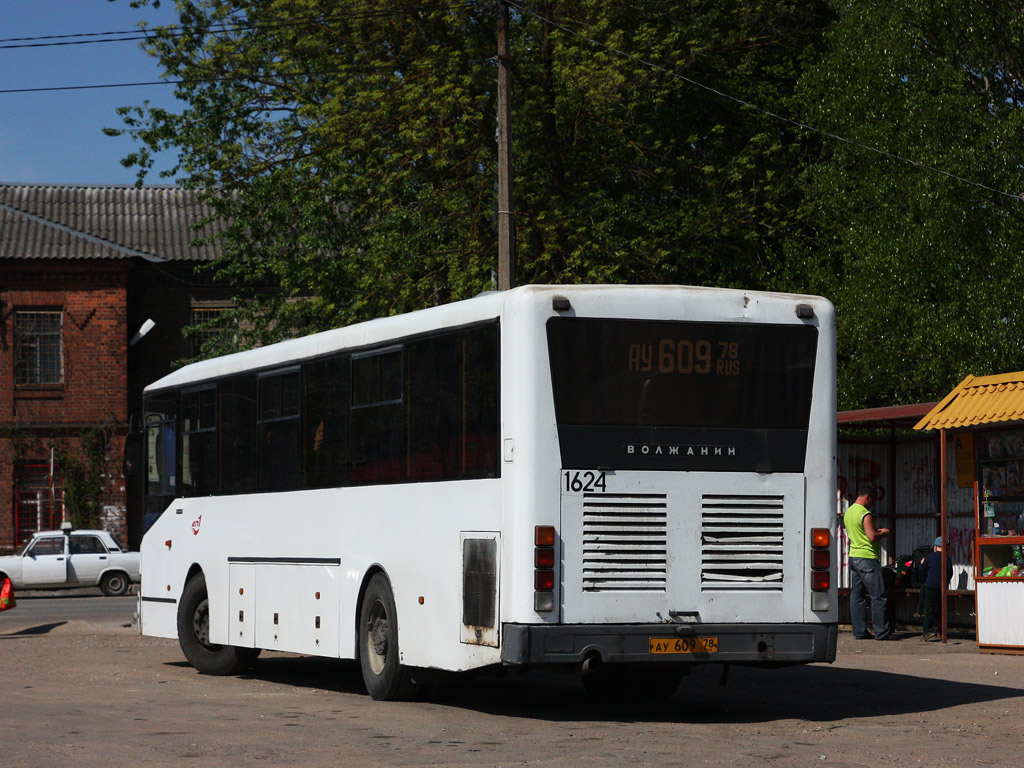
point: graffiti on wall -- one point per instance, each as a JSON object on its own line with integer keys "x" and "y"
{"x": 853, "y": 470}
{"x": 918, "y": 476}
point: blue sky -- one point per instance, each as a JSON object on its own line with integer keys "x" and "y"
{"x": 57, "y": 137}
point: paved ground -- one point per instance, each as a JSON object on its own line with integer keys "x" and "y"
{"x": 96, "y": 694}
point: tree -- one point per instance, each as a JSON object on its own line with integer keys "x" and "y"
{"x": 352, "y": 145}
{"x": 923, "y": 267}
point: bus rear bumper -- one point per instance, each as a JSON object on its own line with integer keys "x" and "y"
{"x": 561, "y": 644}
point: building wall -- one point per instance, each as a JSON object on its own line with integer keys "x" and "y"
{"x": 165, "y": 293}
{"x": 91, "y": 297}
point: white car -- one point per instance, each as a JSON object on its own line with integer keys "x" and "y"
{"x": 67, "y": 558}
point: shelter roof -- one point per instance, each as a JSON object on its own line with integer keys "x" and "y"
{"x": 898, "y": 415}
{"x": 103, "y": 222}
{"x": 979, "y": 400}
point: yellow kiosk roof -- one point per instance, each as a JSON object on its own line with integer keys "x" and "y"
{"x": 979, "y": 400}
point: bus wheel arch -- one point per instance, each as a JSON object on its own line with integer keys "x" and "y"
{"x": 386, "y": 678}
{"x": 193, "y": 633}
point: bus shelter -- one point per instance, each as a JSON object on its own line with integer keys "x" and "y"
{"x": 918, "y": 499}
{"x": 985, "y": 417}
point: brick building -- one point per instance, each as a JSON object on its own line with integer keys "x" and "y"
{"x": 82, "y": 270}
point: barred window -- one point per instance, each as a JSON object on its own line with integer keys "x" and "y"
{"x": 38, "y": 499}
{"x": 207, "y": 324}
{"x": 39, "y": 351}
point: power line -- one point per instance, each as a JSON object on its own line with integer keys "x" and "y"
{"x": 750, "y": 105}
{"x": 84, "y": 38}
{"x": 241, "y": 78}
{"x": 152, "y": 33}
{"x": 49, "y": 89}
{"x": 88, "y": 38}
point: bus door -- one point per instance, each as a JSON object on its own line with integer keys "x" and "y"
{"x": 651, "y": 547}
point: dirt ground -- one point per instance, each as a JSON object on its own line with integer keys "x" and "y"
{"x": 98, "y": 694}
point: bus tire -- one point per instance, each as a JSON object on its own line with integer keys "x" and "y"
{"x": 194, "y": 635}
{"x": 385, "y": 677}
{"x": 625, "y": 682}
{"x": 114, "y": 584}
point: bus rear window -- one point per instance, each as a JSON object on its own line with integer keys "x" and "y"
{"x": 627, "y": 373}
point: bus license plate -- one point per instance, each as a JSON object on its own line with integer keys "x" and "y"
{"x": 684, "y": 645}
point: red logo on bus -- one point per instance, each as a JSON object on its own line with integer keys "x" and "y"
{"x": 195, "y": 525}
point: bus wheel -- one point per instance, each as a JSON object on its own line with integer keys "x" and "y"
{"x": 385, "y": 677}
{"x": 622, "y": 682}
{"x": 194, "y": 635}
{"x": 114, "y": 584}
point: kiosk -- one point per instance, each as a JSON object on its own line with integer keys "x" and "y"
{"x": 988, "y": 414}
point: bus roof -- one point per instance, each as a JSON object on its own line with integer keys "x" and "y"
{"x": 484, "y": 307}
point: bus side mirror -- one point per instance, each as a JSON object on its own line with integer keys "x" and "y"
{"x": 132, "y": 454}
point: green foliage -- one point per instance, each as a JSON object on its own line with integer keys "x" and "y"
{"x": 353, "y": 146}
{"x": 923, "y": 267}
{"x": 351, "y": 143}
{"x": 82, "y": 478}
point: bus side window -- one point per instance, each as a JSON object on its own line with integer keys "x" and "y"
{"x": 325, "y": 438}
{"x": 278, "y": 445}
{"x": 433, "y": 394}
{"x": 236, "y": 398}
{"x": 199, "y": 442}
{"x": 378, "y": 418}
{"x": 480, "y": 378}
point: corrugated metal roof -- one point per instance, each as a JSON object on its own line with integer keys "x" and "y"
{"x": 979, "y": 400}
{"x": 67, "y": 222}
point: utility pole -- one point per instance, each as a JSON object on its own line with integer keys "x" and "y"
{"x": 506, "y": 205}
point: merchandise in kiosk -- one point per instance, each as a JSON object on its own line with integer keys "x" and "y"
{"x": 999, "y": 561}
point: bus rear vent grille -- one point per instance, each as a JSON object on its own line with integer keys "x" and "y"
{"x": 741, "y": 542}
{"x": 625, "y": 542}
{"x": 479, "y": 582}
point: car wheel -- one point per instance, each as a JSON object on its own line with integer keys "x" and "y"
{"x": 385, "y": 677}
{"x": 194, "y": 635}
{"x": 114, "y": 584}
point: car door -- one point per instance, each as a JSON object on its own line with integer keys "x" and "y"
{"x": 87, "y": 559}
{"x": 45, "y": 563}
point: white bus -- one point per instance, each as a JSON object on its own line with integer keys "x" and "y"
{"x": 624, "y": 481}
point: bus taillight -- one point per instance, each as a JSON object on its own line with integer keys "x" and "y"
{"x": 821, "y": 567}
{"x": 543, "y": 568}
{"x": 544, "y": 557}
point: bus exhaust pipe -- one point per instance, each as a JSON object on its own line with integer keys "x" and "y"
{"x": 591, "y": 664}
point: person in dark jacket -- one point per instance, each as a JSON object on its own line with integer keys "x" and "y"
{"x": 931, "y": 589}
